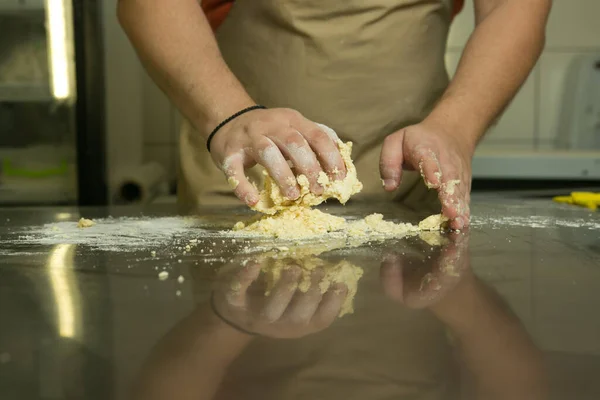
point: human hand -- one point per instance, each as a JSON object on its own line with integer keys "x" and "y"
{"x": 421, "y": 277}
{"x": 270, "y": 138}
{"x": 442, "y": 158}
{"x": 239, "y": 299}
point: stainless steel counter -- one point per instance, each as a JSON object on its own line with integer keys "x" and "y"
{"x": 506, "y": 310}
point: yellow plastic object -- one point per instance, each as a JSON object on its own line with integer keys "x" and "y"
{"x": 584, "y": 199}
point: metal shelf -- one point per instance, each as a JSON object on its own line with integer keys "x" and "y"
{"x": 573, "y": 164}
{"x": 21, "y": 93}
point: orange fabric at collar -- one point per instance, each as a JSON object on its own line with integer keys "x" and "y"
{"x": 216, "y": 10}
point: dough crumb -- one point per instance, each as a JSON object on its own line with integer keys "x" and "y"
{"x": 450, "y": 186}
{"x": 181, "y": 279}
{"x": 163, "y": 275}
{"x": 85, "y": 223}
{"x": 434, "y": 222}
{"x": 233, "y": 183}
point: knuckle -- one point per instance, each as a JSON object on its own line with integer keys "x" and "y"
{"x": 293, "y": 138}
{"x": 291, "y": 114}
{"x": 261, "y": 143}
{"x": 318, "y": 138}
{"x": 389, "y": 140}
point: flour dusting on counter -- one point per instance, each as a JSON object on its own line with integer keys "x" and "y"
{"x": 114, "y": 234}
{"x": 540, "y": 222}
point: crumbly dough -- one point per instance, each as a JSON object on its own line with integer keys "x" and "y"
{"x": 85, "y": 223}
{"x": 296, "y": 222}
{"x": 334, "y": 272}
{"x": 295, "y": 219}
{"x": 434, "y": 222}
{"x": 271, "y": 200}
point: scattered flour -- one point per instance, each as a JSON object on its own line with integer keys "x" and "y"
{"x": 114, "y": 234}
{"x": 541, "y": 222}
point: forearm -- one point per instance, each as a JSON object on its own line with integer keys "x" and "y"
{"x": 191, "y": 360}
{"x": 177, "y": 47}
{"x": 503, "y": 49}
{"x": 495, "y": 348}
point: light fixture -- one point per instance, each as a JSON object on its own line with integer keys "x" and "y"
{"x": 59, "y": 28}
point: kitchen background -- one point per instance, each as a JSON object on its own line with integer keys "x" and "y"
{"x": 551, "y": 131}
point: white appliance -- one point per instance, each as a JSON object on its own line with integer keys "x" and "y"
{"x": 577, "y": 153}
{"x": 580, "y": 117}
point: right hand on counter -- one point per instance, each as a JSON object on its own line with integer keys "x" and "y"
{"x": 271, "y": 137}
{"x": 239, "y": 299}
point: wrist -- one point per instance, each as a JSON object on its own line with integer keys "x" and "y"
{"x": 465, "y": 127}
{"x": 218, "y": 112}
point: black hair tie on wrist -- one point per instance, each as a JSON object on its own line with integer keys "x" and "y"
{"x": 213, "y": 306}
{"x": 225, "y": 122}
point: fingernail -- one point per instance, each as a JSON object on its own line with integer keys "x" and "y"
{"x": 389, "y": 183}
{"x": 293, "y": 194}
{"x": 459, "y": 222}
{"x": 251, "y": 200}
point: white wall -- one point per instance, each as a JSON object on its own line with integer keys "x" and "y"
{"x": 529, "y": 123}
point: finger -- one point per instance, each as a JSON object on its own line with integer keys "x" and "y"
{"x": 326, "y": 149}
{"x": 233, "y": 167}
{"x": 466, "y": 215}
{"x": 281, "y": 295}
{"x": 304, "y": 305}
{"x": 297, "y": 149}
{"x": 330, "y": 132}
{"x": 452, "y": 195}
{"x": 330, "y": 306}
{"x": 390, "y": 274}
{"x": 427, "y": 163}
{"x": 237, "y": 288}
{"x": 391, "y": 160}
{"x": 268, "y": 155}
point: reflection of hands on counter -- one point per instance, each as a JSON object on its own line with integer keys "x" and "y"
{"x": 423, "y": 275}
{"x": 497, "y": 356}
{"x": 295, "y": 297}
{"x": 288, "y": 301}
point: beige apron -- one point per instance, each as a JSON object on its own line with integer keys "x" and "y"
{"x": 366, "y": 68}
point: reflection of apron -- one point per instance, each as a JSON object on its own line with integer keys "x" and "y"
{"x": 366, "y": 68}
